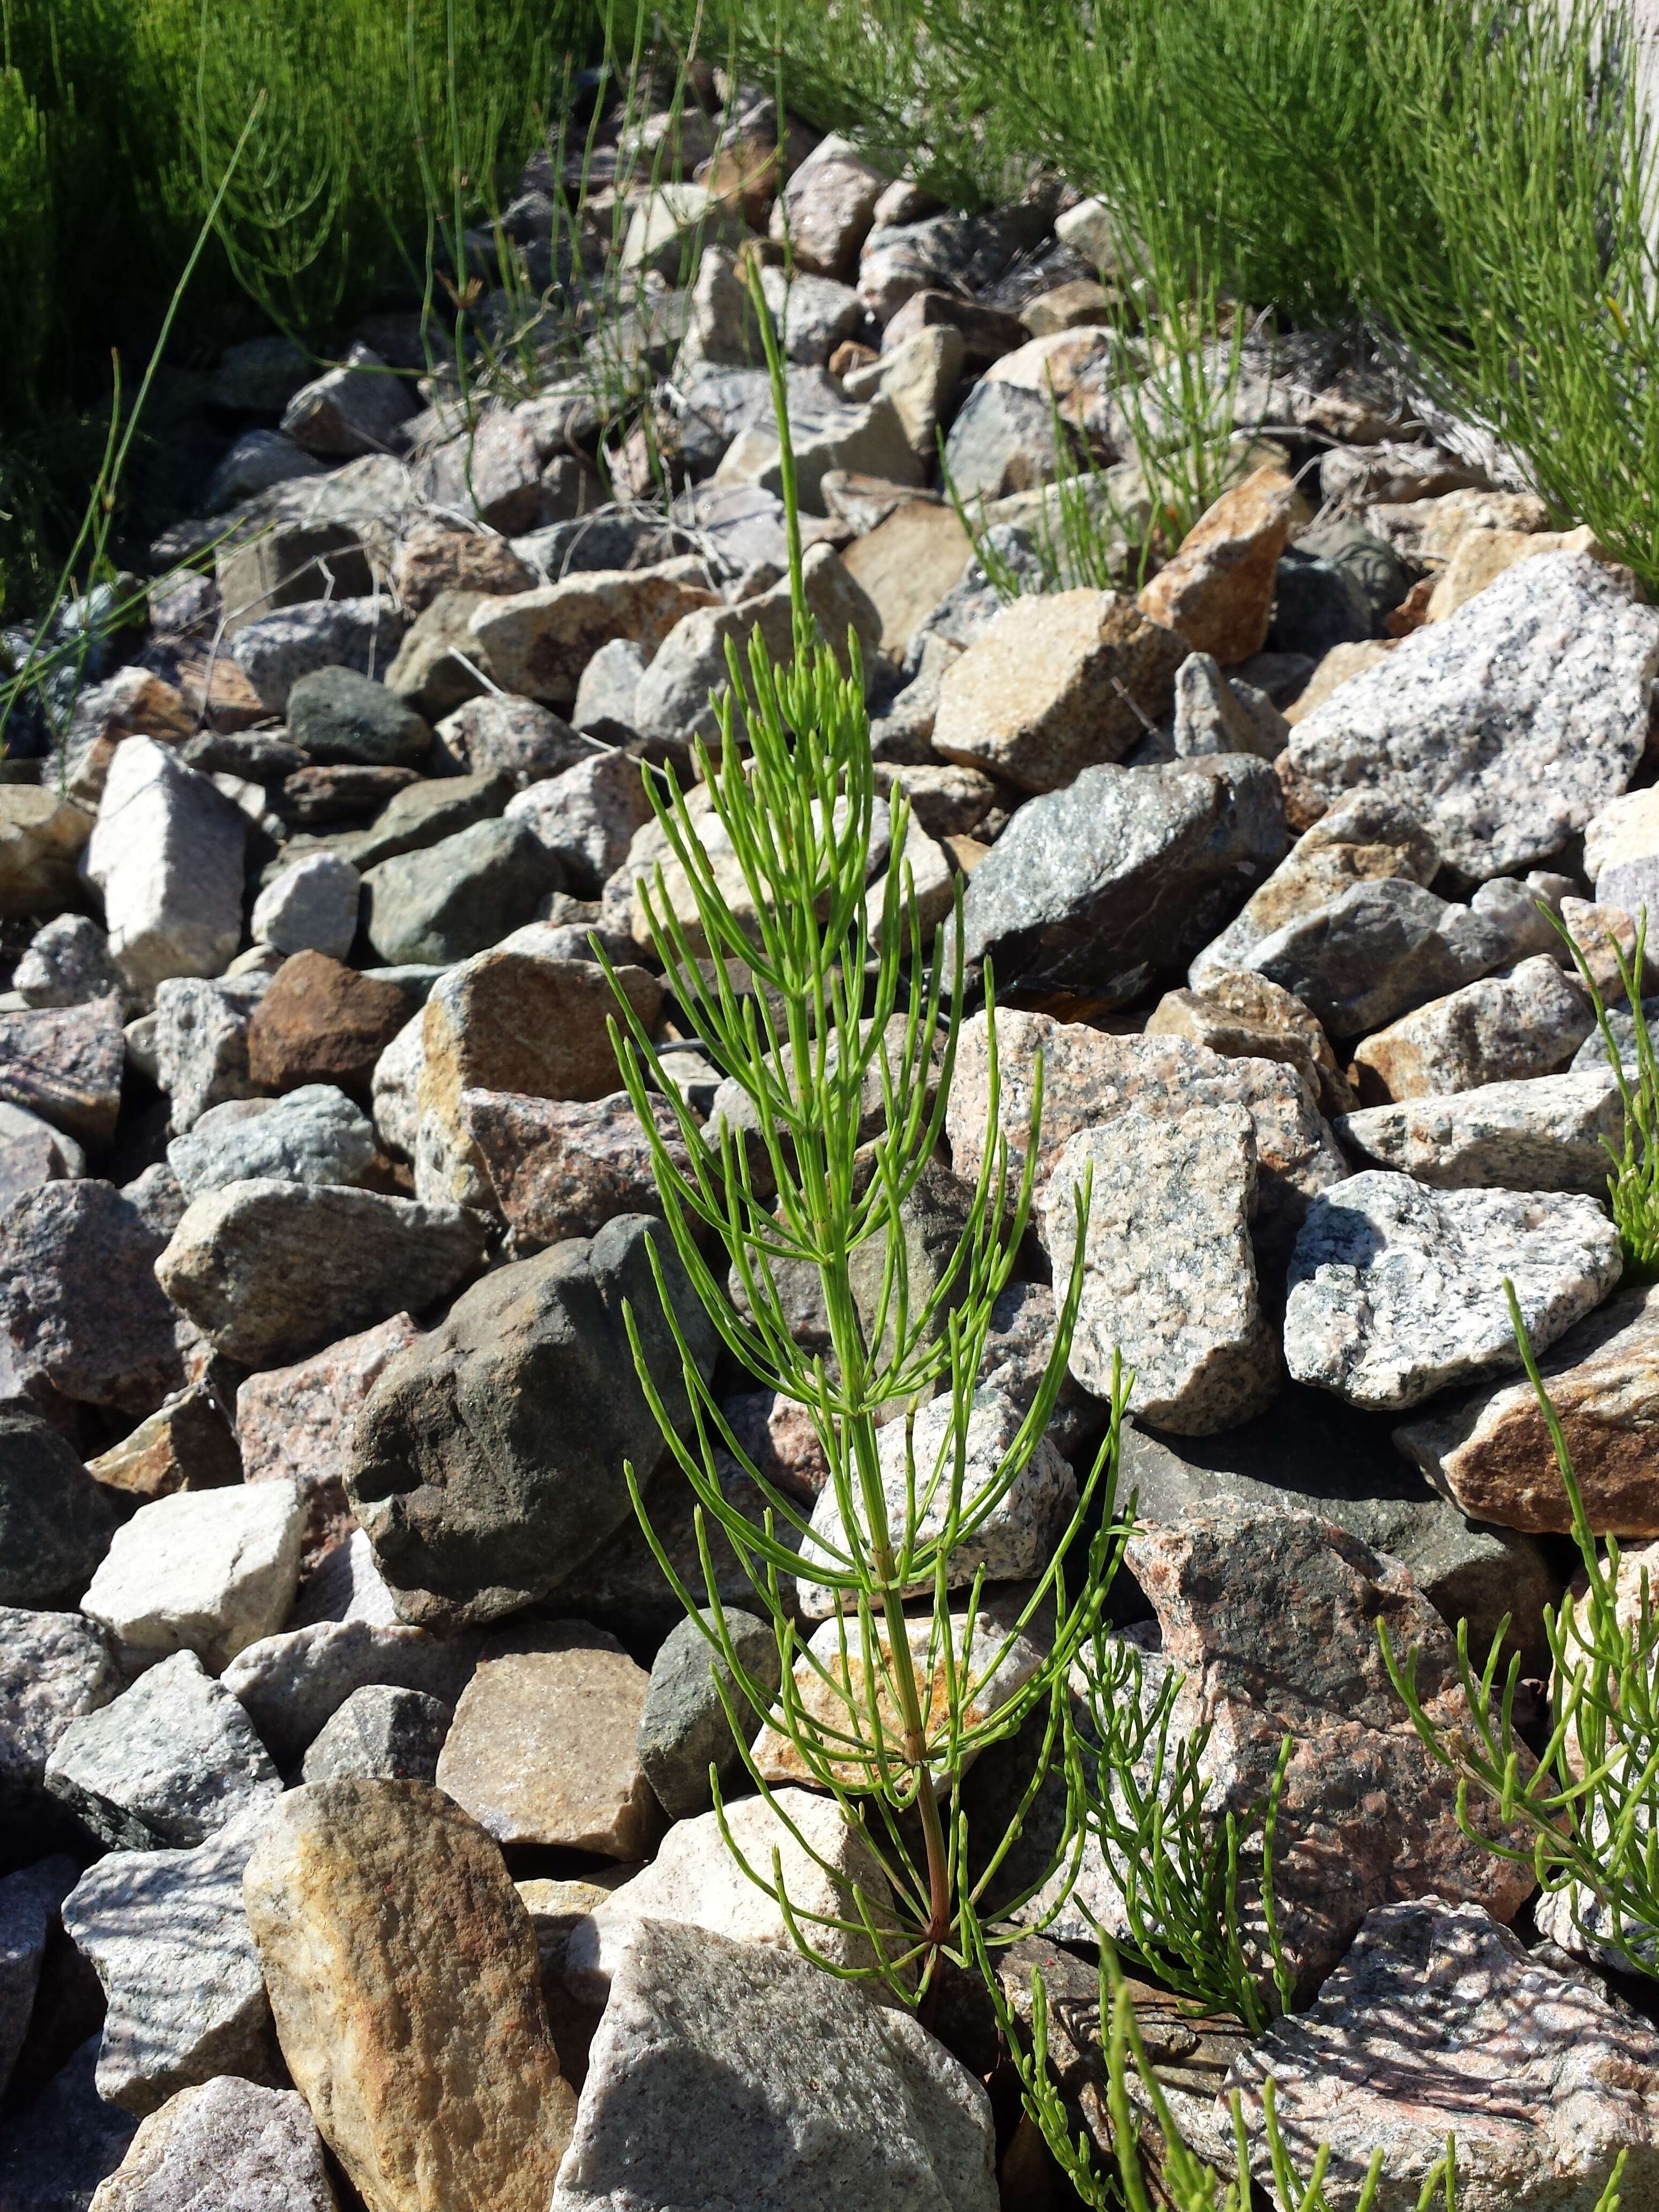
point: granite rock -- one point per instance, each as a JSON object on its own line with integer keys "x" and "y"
{"x": 204, "y": 1570}
{"x": 272, "y": 1271}
{"x": 32, "y": 1151}
{"x": 65, "y": 1064}
{"x": 357, "y": 408}
{"x": 226, "y": 2140}
{"x": 683, "y": 1726}
{"x": 537, "y": 643}
{"x": 1550, "y": 1133}
{"x": 1396, "y": 1291}
{"x": 170, "y": 1763}
{"x": 276, "y": 651}
{"x": 1507, "y": 726}
{"x": 1504, "y": 1029}
{"x": 167, "y": 854}
{"x": 187, "y": 1443}
{"x": 53, "y": 1668}
{"x": 1217, "y": 588}
{"x": 321, "y": 1022}
{"x": 311, "y": 1135}
{"x": 562, "y": 1168}
{"x": 585, "y": 815}
{"x": 293, "y": 1684}
{"x": 67, "y": 964}
{"x": 381, "y": 1733}
{"x": 55, "y": 1523}
{"x": 200, "y": 1039}
{"x": 310, "y": 908}
{"x": 403, "y": 1979}
{"x": 42, "y": 837}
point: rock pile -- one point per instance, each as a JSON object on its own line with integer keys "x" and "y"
{"x": 354, "y": 1760}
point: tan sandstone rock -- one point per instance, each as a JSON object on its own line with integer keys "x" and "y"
{"x": 1219, "y": 590}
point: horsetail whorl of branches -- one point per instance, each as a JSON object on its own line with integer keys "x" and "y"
{"x": 780, "y": 981}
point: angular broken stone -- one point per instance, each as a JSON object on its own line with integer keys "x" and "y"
{"x": 544, "y": 1748}
{"x": 170, "y": 1763}
{"x": 293, "y": 1425}
{"x": 1169, "y": 1280}
{"x": 1492, "y": 1452}
{"x": 1090, "y": 1077}
{"x": 1115, "y": 881}
{"x": 67, "y": 964}
{"x": 257, "y": 2149}
{"x": 485, "y": 1466}
{"x": 444, "y": 902}
{"x": 684, "y": 1728}
{"x": 272, "y": 1271}
{"x": 311, "y": 907}
{"x": 55, "y": 1523}
{"x": 200, "y": 1038}
{"x": 1244, "y": 1016}
{"x": 205, "y": 1570}
{"x": 1505, "y": 727}
{"x": 1437, "y": 2023}
{"x": 167, "y": 1932}
{"x": 1397, "y": 1291}
{"x": 1504, "y": 1029}
{"x": 187, "y": 1443}
{"x": 1550, "y": 1133}
{"x": 697, "y": 1880}
{"x": 321, "y": 1022}
{"x": 53, "y": 1668}
{"x": 292, "y": 1684}
{"x": 403, "y": 1979}
{"x": 564, "y": 1167}
{"x": 313, "y": 1135}
{"x": 167, "y": 854}
{"x": 898, "y": 2123}
{"x": 356, "y": 409}
{"x": 65, "y": 1065}
{"x": 1056, "y": 684}
{"x": 381, "y": 1733}
{"x": 537, "y": 643}
{"x": 1014, "y": 1542}
{"x": 42, "y": 837}
{"x": 1217, "y": 590}
{"x": 32, "y": 1151}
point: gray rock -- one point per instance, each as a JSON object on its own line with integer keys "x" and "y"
{"x": 259, "y": 460}
{"x": 827, "y": 206}
{"x": 384, "y": 1733}
{"x": 293, "y": 1684}
{"x": 1001, "y": 441}
{"x": 425, "y": 813}
{"x": 1504, "y": 1029}
{"x": 491, "y": 472}
{"x": 68, "y": 963}
{"x": 1396, "y": 1291}
{"x": 1550, "y": 1134}
{"x": 169, "y": 1937}
{"x": 1506, "y": 726}
{"x": 830, "y": 440}
{"x": 270, "y": 1271}
{"x": 461, "y": 896}
{"x": 610, "y": 684}
{"x": 55, "y": 1523}
{"x": 1313, "y": 1454}
{"x": 341, "y": 719}
{"x": 969, "y": 608}
{"x": 56, "y": 2152}
{"x": 689, "y": 668}
{"x": 65, "y": 1065}
{"x": 1117, "y": 879}
{"x": 81, "y": 1315}
{"x": 898, "y": 2124}
{"x": 156, "y": 1197}
{"x": 170, "y": 1763}
{"x": 311, "y": 907}
{"x": 1014, "y": 1542}
{"x": 684, "y": 1727}
{"x": 1214, "y": 716}
{"x": 1168, "y": 1272}
{"x": 32, "y": 1151}
{"x": 202, "y": 1570}
{"x": 311, "y": 1135}
{"x": 53, "y": 1668}
{"x": 1591, "y": 1057}
{"x": 259, "y": 376}
{"x": 200, "y": 1043}
{"x": 29, "y": 1902}
{"x": 356, "y": 409}
{"x": 274, "y": 651}
{"x": 167, "y": 854}
{"x": 483, "y": 1465}
{"x": 586, "y": 816}
{"x": 227, "y": 2141}
{"x": 496, "y": 735}
{"x": 1542, "y": 2078}
{"x": 396, "y": 1091}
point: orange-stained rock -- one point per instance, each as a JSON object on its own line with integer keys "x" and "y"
{"x": 322, "y": 1022}
{"x": 1219, "y": 589}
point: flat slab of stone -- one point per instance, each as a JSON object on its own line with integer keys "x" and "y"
{"x": 1396, "y": 1291}
{"x": 1491, "y": 1452}
{"x": 1438, "y": 2023}
{"x": 543, "y": 1749}
{"x": 897, "y": 2124}
{"x": 1505, "y": 727}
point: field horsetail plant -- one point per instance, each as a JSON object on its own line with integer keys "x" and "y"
{"x": 918, "y": 1671}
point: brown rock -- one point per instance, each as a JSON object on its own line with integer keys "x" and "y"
{"x": 322, "y": 1022}
{"x": 987, "y": 333}
{"x": 512, "y": 1022}
{"x": 907, "y": 564}
{"x": 829, "y": 205}
{"x": 544, "y": 1748}
{"x": 1245, "y": 1016}
{"x": 537, "y": 642}
{"x": 343, "y": 791}
{"x": 564, "y": 1167}
{"x": 402, "y": 1976}
{"x": 1491, "y": 1451}
{"x": 81, "y": 1315}
{"x": 431, "y": 672}
{"x": 41, "y": 840}
{"x": 64, "y": 1063}
{"x": 293, "y": 1425}
{"x": 1219, "y": 590}
{"x": 1082, "y": 304}
{"x": 1059, "y": 682}
{"x": 186, "y": 1445}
